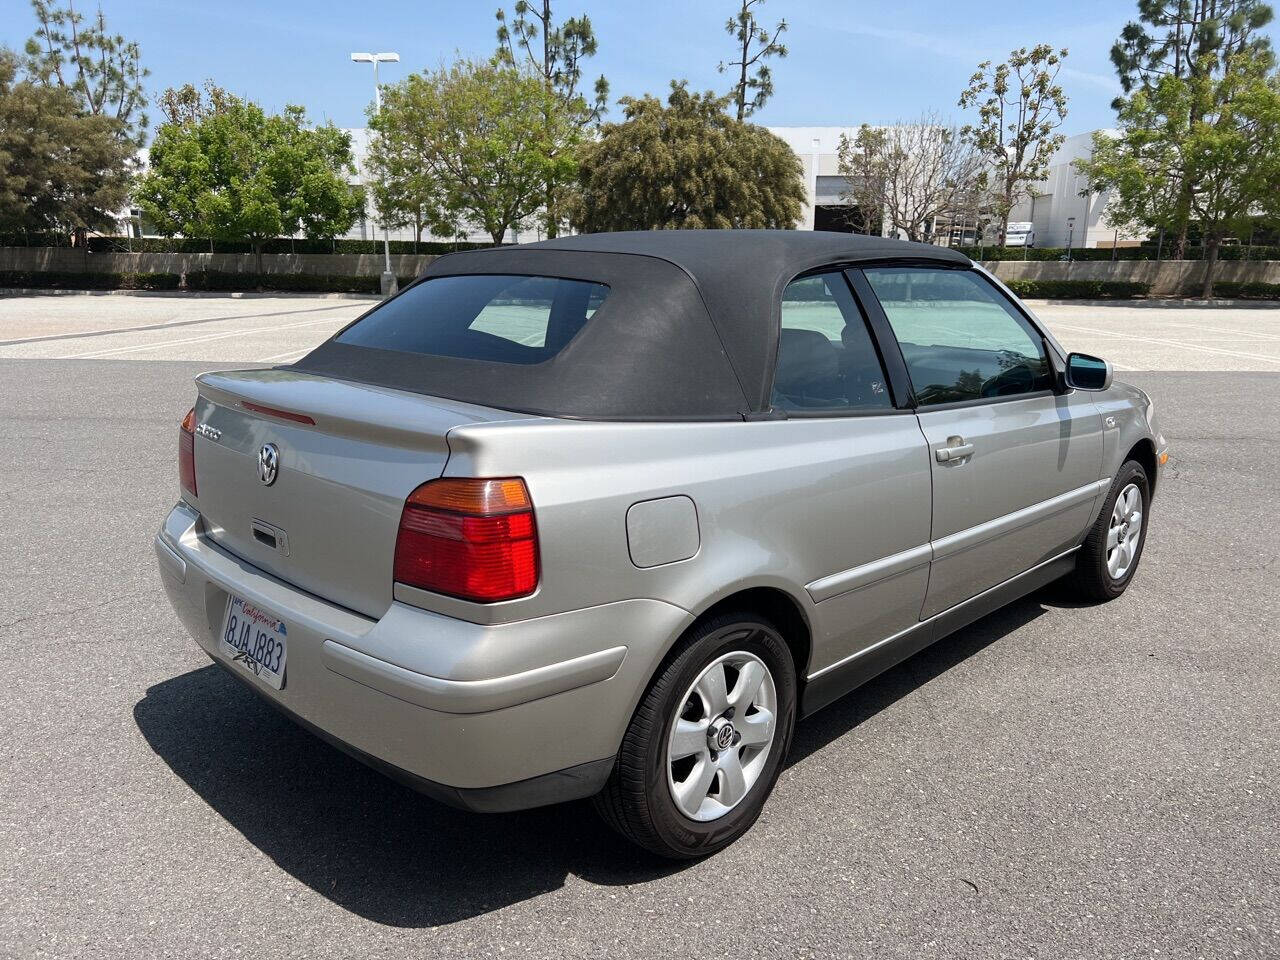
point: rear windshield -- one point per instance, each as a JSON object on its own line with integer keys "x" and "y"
{"x": 500, "y": 318}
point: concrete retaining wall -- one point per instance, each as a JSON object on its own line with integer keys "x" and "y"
{"x": 1167, "y": 277}
{"x": 314, "y": 264}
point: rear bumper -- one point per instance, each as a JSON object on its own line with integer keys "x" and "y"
{"x": 489, "y": 717}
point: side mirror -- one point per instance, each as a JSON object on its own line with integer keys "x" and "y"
{"x": 1088, "y": 373}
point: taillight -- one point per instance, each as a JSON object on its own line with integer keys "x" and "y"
{"x": 187, "y": 452}
{"x": 468, "y": 538}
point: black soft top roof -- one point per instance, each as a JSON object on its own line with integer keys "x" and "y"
{"x": 689, "y": 330}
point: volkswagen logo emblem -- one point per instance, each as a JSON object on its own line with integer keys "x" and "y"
{"x": 268, "y": 463}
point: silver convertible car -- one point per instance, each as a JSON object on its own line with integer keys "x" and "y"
{"x": 604, "y": 516}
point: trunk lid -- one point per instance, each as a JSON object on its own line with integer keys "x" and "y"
{"x": 327, "y": 522}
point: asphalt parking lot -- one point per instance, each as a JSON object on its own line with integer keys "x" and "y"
{"x": 1053, "y": 782}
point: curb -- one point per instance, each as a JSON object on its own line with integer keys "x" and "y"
{"x": 1156, "y": 302}
{"x": 184, "y": 294}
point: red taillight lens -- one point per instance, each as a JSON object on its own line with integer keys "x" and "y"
{"x": 473, "y": 539}
{"x": 187, "y": 452}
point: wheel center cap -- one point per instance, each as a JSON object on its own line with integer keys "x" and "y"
{"x": 721, "y": 734}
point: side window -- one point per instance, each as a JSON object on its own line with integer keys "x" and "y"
{"x": 960, "y": 339}
{"x": 826, "y": 360}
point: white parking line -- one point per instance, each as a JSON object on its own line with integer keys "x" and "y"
{"x": 291, "y": 355}
{"x": 160, "y": 344}
{"x": 1172, "y": 343}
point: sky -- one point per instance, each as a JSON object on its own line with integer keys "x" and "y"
{"x": 849, "y": 62}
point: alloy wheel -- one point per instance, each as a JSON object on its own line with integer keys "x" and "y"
{"x": 1124, "y": 532}
{"x": 721, "y": 736}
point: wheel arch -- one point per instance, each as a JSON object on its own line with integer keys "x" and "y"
{"x": 778, "y": 606}
{"x": 1144, "y": 452}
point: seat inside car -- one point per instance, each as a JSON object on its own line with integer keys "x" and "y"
{"x": 808, "y": 371}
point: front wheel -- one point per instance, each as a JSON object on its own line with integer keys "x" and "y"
{"x": 707, "y": 741}
{"x": 1109, "y": 556}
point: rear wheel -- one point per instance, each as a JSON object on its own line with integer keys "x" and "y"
{"x": 707, "y": 741}
{"x": 1109, "y": 556}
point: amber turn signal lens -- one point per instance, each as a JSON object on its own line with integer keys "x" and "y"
{"x": 187, "y": 453}
{"x": 483, "y": 497}
{"x": 1164, "y": 458}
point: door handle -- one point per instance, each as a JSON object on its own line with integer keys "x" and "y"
{"x": 956, "y": 449}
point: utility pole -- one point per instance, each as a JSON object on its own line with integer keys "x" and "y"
{"x": 389, "y": 285}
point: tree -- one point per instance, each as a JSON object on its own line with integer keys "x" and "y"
{"x": 859, "y": 163}
{"x": 913, "y": 173}
{"x": 1171, "y": 38}
{"x": 103, "y": 70}
{"x": 1226, "y": 155}
{"x": 1020, "y": 105}
{"x": 686, "y": 165}
{"x": 60, "y": 169}
{"x": 186, "y": 104}
{"x": 228, "y": 170}
{"x": 490, "y": 135}
{"x": 558, "y": 60}
{"x": 755, "y": 45}
{"x": 405, "y": 192}
{"x": 1185, "y": 39}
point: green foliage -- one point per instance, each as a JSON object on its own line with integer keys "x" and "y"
{"x": 1020, "y": 106}
{"x": 102, "y": 70}
{"x": 1146, "y": 252}
{"x": 232, "y": 171}
{"x": 686, "y": 165}
{"x": 558, "y": 61}
{"x": 405, "y": 193}
{"x": 60, "y": 169}
{"x": 277, "y": 245}
{"x": 1200, "y": 147}
{"x": 286, "y": 282}
{"x": 1184, "y": 40}
{"x": 211, "y": 280}
{"x": 1173, "y": 38}
{"x": 1078, "y": 289}
{"x": 490, "y": 136}
{"x": 86, "y": 280}
{"x": 755, "y": 45}
{"x": 1247, "y": 291}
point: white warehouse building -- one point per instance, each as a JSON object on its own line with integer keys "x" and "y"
{"x": 1058, "y": 211}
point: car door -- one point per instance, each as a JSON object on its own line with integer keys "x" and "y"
{"x": 861, "y": 510}
{"x": 1016, "y": 462}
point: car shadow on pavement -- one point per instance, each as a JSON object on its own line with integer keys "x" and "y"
{"x": 393, "y": 856}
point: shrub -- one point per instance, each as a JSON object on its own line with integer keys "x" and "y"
{"x": 284, "y": 282}
{"x": 199, "y": 280}
{"x": 1078, "y": 289}
{"x": 1253, "y": 290}
{"x": 69, "y": 280}
{"x": 281, "y": 245}
{"x": 1144, "y": 252}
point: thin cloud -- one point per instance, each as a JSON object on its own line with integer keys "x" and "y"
{"x": 947, "y": 47}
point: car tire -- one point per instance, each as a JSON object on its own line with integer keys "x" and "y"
{"x": 652, "y": 792}
{"x": 1103, "y": 567}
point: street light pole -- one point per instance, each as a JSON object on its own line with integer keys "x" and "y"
{"x": 388, "y": 277}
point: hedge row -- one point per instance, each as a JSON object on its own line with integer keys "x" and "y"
{"x": 1255, "y": 290}
{"x": 1078, "y": 289}
{"x": 71, "y": 280}
{"x": 1145, "y": 252}
{"x": 201, "y": 280}
{"x": 284, "y": 245}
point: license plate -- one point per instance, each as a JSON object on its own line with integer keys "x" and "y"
{"x": 254, "y": 639}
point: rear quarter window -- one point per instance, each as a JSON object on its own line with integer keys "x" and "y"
{"x": 500, "y": 318}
